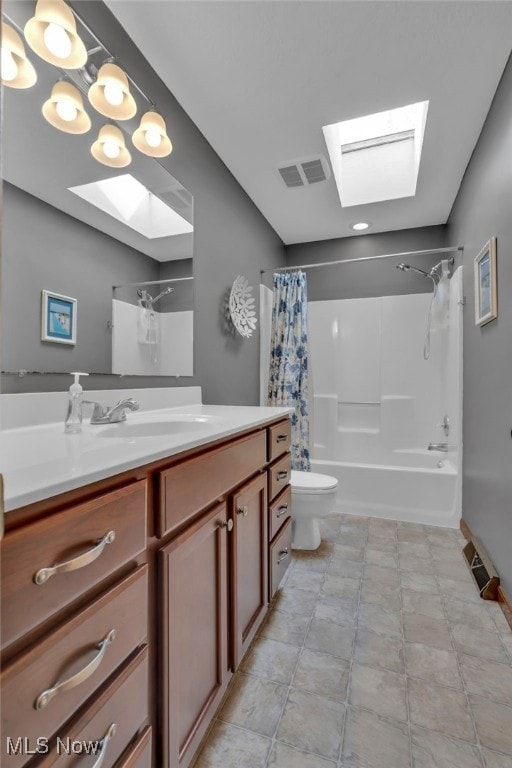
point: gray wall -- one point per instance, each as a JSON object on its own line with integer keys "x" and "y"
{"x": 183, "y": 295}
{"x": 231, "y": 237}
{"x": 483, "y": 208}
{"x": 61, "y": 254}
{"x": 372, "y": 278}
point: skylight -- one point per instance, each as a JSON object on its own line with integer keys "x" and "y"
{"x": 128, "y": 201}
{"x": 377, "y": 157}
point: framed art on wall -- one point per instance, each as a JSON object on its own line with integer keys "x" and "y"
{"x": 486, "y": 284}
{"x": 58, "y": 318}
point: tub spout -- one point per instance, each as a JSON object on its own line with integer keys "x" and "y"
{"x": 438, "y": 447}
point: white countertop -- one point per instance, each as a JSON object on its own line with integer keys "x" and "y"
{"x": 41, "y": 461}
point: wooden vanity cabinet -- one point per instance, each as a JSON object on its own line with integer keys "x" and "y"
{"x": 184, "y": 582}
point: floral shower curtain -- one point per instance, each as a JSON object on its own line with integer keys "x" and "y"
{"x": 288, "y": 376}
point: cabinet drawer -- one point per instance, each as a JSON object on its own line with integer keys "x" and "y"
{"x": 279, "y": 439}
{"x": 72, "y": 662}
{"x": 279, "y": 476}
{"x": 279, "y": 511}
{"x": 76, "y": 537}
{"x": 280, "y": 556}
{"x": 109, "y": 725}
{"x": 194, "y": 484}
{"x": 138, "y": 755}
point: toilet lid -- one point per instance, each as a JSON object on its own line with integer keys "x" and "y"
{"x": 312, "y": 482}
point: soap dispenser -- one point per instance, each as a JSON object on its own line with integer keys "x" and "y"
{"x": 73, "y": 421}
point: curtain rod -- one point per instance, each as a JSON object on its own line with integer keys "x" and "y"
{"x": 153, "y": 282}
{"x": 405, "y": 254}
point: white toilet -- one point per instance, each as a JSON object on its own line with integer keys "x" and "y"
{"x": 313, "y": 497}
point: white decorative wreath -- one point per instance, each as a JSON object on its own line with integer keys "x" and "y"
{"x": 241, "y": 307}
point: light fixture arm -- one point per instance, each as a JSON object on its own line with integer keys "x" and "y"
{"x": 92, "y": 81}
{"x": 100, "y": 46}
{"x": 113, "y": 59}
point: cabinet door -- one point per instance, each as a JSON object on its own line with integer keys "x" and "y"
{"x": 249, "y": 574}
{"x": 195, "y": 669}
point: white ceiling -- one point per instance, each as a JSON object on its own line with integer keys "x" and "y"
{"x": 260, "y": 79}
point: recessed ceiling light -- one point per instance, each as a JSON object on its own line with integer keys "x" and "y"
{"x": 360, "y": 225}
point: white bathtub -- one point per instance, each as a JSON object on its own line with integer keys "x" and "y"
{"x": 412, "y": 488}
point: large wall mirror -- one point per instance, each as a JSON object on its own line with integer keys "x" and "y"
{"x": 108, "y": 250}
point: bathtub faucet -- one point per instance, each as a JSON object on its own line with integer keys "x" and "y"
{"x": 438, "y": 447}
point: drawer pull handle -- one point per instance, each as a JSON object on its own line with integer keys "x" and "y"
{"x": 43, "y": 574}
{"x": 284, "y": 554}
{"x": 281, "y": 438}
{"x": 227, "y": 524}
{"x": 104, "y": 745}
{"x": 282, "y": 474}
{"x": 45, "y": 697}
{"x": 282, "y": 510}
{"x": 244, "y": 511}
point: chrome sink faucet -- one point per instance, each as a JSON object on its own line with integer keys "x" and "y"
{"x": 104, "y": 415}
{"x": 438, "y": 447}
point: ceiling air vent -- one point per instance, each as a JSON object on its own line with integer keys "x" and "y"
{"x": 308, "y": 170}
{"x": 314, "y": 171}
{"x": 291, "y": 176}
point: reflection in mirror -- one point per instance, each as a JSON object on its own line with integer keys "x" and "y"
{"x": 65, "y": 231}
{"x": 152, "y": 326}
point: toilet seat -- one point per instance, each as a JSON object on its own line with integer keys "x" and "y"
{"x": 312, "y": 483}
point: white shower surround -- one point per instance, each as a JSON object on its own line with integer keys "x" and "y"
{"x": 171, "y": 355}
{"x": 378, "y": 403}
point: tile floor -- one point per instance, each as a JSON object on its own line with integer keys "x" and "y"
{"x": 378, "y": 653}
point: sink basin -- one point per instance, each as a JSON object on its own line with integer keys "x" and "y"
{"x": 157, "y": 426}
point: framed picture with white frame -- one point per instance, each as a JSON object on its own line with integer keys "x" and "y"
{"x": 486, "y": 284}
{"x": 58, "y": 318}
